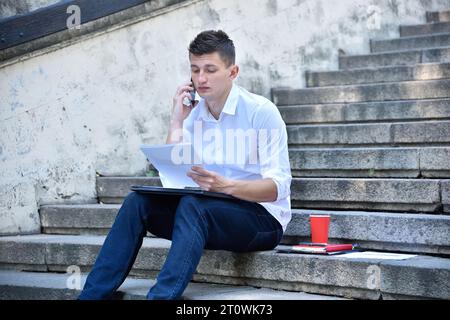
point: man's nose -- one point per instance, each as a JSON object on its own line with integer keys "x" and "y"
{"x": 202, "y": 77}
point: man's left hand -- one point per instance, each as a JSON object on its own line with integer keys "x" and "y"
{"x": 209, "y": 180}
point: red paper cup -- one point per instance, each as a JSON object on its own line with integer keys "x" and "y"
{"x": 319, "y": 228}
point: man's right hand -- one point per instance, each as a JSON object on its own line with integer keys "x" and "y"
{"x": 181, "y": 111}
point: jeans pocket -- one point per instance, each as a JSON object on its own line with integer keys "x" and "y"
{"x": 264, "y": 241}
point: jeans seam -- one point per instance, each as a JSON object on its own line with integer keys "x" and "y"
{"x": 135, "y": 253}
{"x": 258, "y": 234}
{"x": 185, "y": 263}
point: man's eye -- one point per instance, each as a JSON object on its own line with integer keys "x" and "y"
{"x": 212, "y": 70}
{"x": 195, "y": 71}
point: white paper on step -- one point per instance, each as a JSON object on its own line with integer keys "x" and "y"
{"x": 376, "y": 255}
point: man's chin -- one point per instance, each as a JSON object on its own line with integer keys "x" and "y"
{"x": 205, "y": 95}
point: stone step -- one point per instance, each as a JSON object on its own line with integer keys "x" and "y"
{"x": 114, "y": 189}
{"x": 410, "y": 43}
{"x": 438, "y": 16}
{"x": 409, "y": 57}
{"x": 374, "y": 162}
{"x": 406, "y": 90}
{"x": 365, "y": 278}
{"x": 20, "y": 285}
{"x": 371, "y": 162}
{"x": 384, "y": 231}
{"x": 397, "y": 162}
{"x": 75, "y": 219}
{"x": 445, "y": 195}
{"x": 434, "y": 109}
{"x": 414, "y": 195}
{"x": 403, "y": 232}
{"x": 422, "y": 29}
{"x": 429, "y": 71}
{"x": 370, "y": 134}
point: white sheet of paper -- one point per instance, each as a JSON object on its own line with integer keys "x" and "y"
{"x": 172, "y": 174}
{"x": 376, "y": 255}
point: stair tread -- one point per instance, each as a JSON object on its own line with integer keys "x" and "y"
{"x": 367, "y": 112}
{"x": 382, "y": 74}
{"x": 395, "y": 58}
{"x": 418, "y": 50}
{"x": 410, "y": 194}
{"x": 427, "y": 24}
{"x": 426, "y": 41}
{"x": 159, "y": 243}
{"x": 135, "y": 288}
{"x": 150, "y": 179}
{"x": 434, "y": 28}
{"x": 399, "y": 121}
{"x": 377, "y": 68}
{"x": 413, "y": 37}
{"x": 413, "y": 232}
{"x": 434, "y": 216}
{"x": 369, "y": 85}
{"x": 439, "y": 16}
{"x": 422, "y": 276}
{"x": 364, "y": 92}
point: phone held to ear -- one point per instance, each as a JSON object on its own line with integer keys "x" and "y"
{"x": 191, "y": 101}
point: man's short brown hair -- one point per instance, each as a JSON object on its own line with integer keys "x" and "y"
{"x": 214, "y": 41}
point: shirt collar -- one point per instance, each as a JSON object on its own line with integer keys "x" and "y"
{"x": 228, "y": 108}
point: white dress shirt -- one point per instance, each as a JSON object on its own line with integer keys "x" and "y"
{"x": 247, "y": 142}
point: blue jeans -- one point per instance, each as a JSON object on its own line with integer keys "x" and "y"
{"x": 193, "y": 223}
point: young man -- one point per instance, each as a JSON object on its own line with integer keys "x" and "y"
{"x": 259, "y": 178}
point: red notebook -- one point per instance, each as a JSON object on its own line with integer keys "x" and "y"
{"x": 319, "y": 248}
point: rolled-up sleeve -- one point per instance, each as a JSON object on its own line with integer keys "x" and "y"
{"x": 273, "y": 148}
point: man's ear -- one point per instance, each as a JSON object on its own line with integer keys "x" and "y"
{"x": 234, "y": 71}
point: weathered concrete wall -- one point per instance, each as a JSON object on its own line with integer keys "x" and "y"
{"x": 85, "y": 108}
{"x": 12, "y": 7}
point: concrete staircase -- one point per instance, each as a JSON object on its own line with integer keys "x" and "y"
{"x": 369, "y": 144}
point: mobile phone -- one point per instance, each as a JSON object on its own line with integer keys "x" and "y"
{"x": 191, "y": 100}
{"x": 192, "y": 94}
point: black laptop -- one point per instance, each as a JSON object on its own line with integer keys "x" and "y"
{"x": 180, "y": 191}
